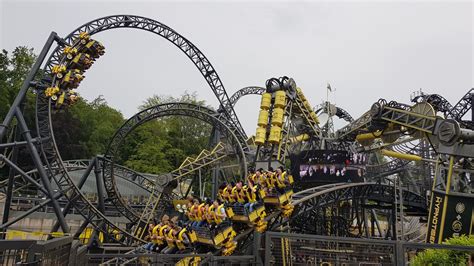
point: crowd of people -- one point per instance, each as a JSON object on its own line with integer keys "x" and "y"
{"x": 174, "y": 235}
{"x": 168, "y": 236}
{"x": 258, "y": 184}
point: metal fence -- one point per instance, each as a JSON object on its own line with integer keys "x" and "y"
{"x": 280, "y": 249}
{"x": 300, "y": 249}
{"x": 171, "y": 259}
{"x": 58, "y": 251}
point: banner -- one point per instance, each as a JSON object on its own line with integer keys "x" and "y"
{"x": 450, "y": 215}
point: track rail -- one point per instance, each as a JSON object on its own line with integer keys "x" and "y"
{"x": 48, "y": 150}
{"x": 202, "y": 113}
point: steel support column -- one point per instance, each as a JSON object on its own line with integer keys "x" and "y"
{"x": 26, "y": 84}
{"x": 11, "y": 180}
{"x": 81, "y": 183}
{"x": 41, "y": 171}
{"x": 215, "y": 171}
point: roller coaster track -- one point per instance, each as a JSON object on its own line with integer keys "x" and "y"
{"x": 48, "y": 150}
{"x": 142, "y": 23}
{"x": 308, "y": 201}
{"x": 164, "y": 110}
{"x": 123, "y": 173}
{"x": 462, "y": 107}
{"x": 341, "y": 113}
{"x": 127, "y": 174}
{"x": 251, "y": 90}
{"x": 437, "y": 101}
{"x": 157, "y": 202}
{"x": 351, "y": 130}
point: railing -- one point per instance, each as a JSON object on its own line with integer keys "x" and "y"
{"x": 171, "y": 259}
{"x": 300, "y": 249}
{"x": 58, "y": 251}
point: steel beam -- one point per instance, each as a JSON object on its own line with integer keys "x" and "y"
{"x": 11, "y": 177}
{"x": 26, "y": 84}
{"x": 42, "y": 173}
{"x": 81, "y": 183}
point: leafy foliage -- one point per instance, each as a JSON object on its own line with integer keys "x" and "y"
{"x": 446, "y": 256}
{"x": 85, "y": 129}
{"x": 160, "y": 146}
{"x": 13, "y": 70}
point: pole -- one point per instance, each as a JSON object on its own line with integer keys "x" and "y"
{"x": 401, "y": 208}
{"x": 26, "y": 84}
{"x": 81, "y": 183}
{"x": 200, "y": 185}
{"x": 11, "y": 180}
{"x": 215, "y": 172}
{"x": 100, "y": 198}
{"x": 41, "y": 171}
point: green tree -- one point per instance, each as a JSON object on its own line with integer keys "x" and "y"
{"x": 160, "y": 146}
{"x": 86, "y": 127}
{"x": 13, "y": 70}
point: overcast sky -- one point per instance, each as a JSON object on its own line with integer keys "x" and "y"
{"x": 365, "y": 50}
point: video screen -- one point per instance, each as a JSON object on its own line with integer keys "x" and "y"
{"x": 328, "y": 166}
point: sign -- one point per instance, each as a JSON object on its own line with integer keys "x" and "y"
{"x": 450, "y": 216}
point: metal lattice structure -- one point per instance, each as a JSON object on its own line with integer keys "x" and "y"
{"x": 344, "y": 209}
{"x": 161, "y": 199}
{"x": 202, "y": 113}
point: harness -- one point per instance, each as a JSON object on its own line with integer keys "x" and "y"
{"x": 161, "y": 233}
{"x": 200, "y": 212}
{"x": 180, "y": 244}
{"x": 170, "y": 239}
{"x": 154, "y": 232}
{"x": 211, "y": 217}
{"x": 270, "y": 180}
{"x": 218, "y": 219}
{"x": 238, "y": 195}
{"x": 251, "y": 196}
{"x": 226, "y": 194}
{"x": 280, "y": 179}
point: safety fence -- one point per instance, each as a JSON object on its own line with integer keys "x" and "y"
{"x": 170, "y": 259}
{"x": 58, "y": 251}
{"x": 300, "y": 249}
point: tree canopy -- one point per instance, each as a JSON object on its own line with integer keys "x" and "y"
{"x": 85, "y": 129}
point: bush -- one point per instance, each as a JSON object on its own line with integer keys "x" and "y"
{"x": 446, "y": 256}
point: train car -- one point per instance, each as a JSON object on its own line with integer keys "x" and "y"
{"x": 220, "y": 237}
{"x": 254, "y": 218}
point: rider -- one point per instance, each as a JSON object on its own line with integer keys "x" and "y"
{"x": 281, "y": 179}
{"x": 183, "y": 240}
{"x": 170, "y": 240}
{"x": 196, "y": 213}
{"x": 149, "y": 246}
{"x": 227, "y": 195}
{"x": 219, "y": 212}
{"x": 238, "y": 193}
{"x": 270, "y": 179}
{"x": 159, "y": 233}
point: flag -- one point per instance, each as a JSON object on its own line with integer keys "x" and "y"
{"x": 329, "y": 87}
